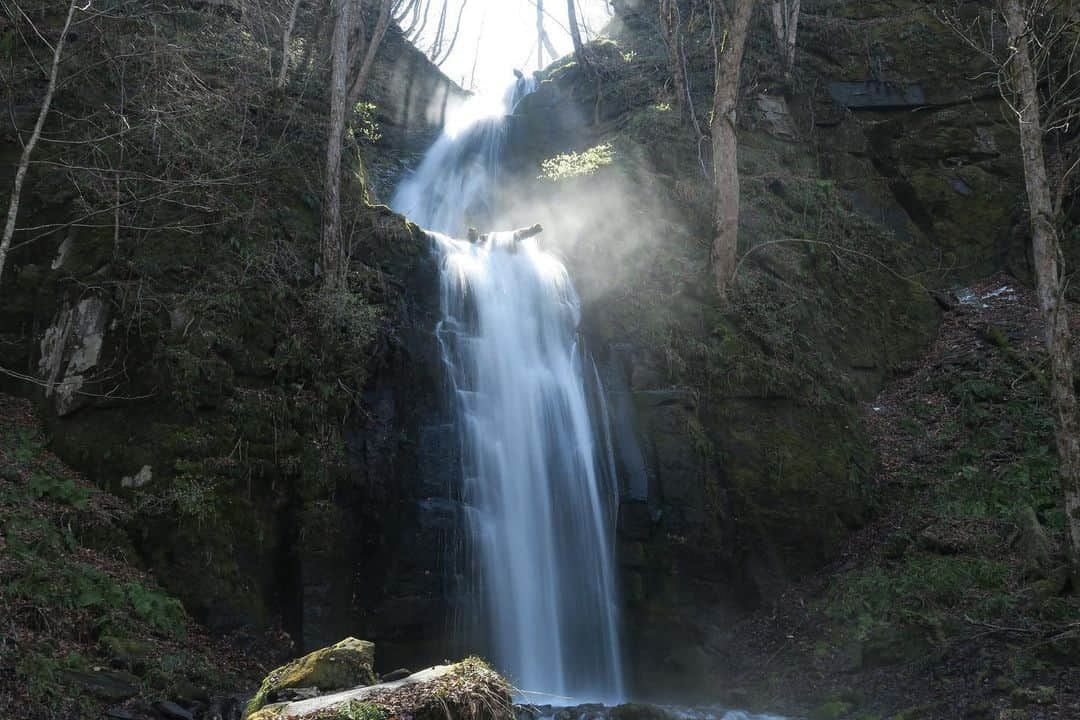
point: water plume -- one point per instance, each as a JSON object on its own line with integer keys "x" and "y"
{"x": 538, "y": 479}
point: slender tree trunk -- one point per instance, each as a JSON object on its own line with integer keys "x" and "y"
{"x": 28, "y": 148}
{"x": 373, "y": 45}
{"x": 539, "y": 34}
{"x": 339, "y": 54}
{"x": 543, "y": 42}
{"x": 725, "y": 144}
{"x": 312, "y": 52}
{"x": 1049, "y": 272}
{"x": 575, "y": 35}
{"x": 671, "y": 25}
{"x": 286, "y": 43}
{"x": 785, "y": 21}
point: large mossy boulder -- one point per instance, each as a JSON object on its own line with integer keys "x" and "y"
{"x": 468, "y": 690}
{"x": 343, "y": 666}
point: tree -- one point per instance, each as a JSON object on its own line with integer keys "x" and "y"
{"x": 671, "y": 26}
{"x": 729, "y": 53}
{"x": 543, "y": 42}
{"x": 437, "y": 43}
{"x": 331, "y": 249}
{"x": 575, "y": 34}
{"x": 370, "y": 50}
{"x": 35, "y": 135}
{"x": 785, "y": 22}
{"x": 345, "y": 53}
{"x": 1038, "y": 75}
{"x": 286, "y": 43}
{"x": 1021, "y": 20}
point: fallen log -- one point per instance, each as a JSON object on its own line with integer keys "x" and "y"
{"x": 469, "y": 690}
{"x": 474, "y": 235}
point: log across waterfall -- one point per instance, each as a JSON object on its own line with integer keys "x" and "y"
{"x": 538, "y": 480}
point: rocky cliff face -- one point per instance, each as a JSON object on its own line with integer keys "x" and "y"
{"x": 881, "y": 171}
{"x": 291, "y": 466}
{"x": 180, "y": 351}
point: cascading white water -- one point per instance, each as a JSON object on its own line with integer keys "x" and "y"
{"x": 538, "y": 478}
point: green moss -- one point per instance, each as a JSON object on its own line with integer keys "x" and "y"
{"x": 347, "y": 664}
{"x": 832, "y": 710}
{"x": 63, "y": 551}
{"x": 356, "y": 710}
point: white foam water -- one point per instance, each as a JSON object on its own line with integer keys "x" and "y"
{"x": 538, "y": 477}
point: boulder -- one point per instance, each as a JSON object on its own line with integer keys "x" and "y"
{"x": 640, "y": 711}
{"x": 104, "y": 684}
{"x": 173, "y": 711}
{"x": 348, "y": 664}
{"x": 70, "y": 350}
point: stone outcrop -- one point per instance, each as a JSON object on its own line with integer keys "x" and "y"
{"x": 70, "y": 352}
{"x": 344, "y": 665}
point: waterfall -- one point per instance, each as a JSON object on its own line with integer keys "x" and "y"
{"x": 537, "y": 468}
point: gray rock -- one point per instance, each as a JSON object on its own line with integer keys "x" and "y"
{"x": 399, "y": 674}
{"x": 145, "y": 475}
{"x": 70, "y": 350}
{"x": 172, "y": 711}
{"x": 876, "y": 94}
{"x": 109, "y": 685}
{"x": 225, "y": 708}
{"x": 294, "y": 694}
{"x": 777, "y": 116}
{"x": 119, "y": 713}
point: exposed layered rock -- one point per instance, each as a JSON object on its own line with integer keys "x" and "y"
{"x": 70, "y": 350}
{"x": 753, "y": 464}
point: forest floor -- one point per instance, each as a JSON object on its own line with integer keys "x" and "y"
{"x": 83, "y": 631}
{"x": 954, "y": 602}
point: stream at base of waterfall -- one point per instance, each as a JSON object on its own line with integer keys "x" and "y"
{"x": 538, "y": 475}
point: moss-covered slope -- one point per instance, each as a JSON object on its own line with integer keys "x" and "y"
{"x": 84, "y": 628}
{"x": 162, "y": 297}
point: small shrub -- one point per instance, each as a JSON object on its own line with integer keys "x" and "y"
{"x": 574, "y": 165}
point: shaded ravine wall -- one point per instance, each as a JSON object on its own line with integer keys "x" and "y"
{"x": 752, "y": 462}
{"x": 267, "y": 494}
{"x": 740, "y": 428}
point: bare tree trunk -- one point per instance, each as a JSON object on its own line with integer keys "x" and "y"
{"x": 28, "y": 148}
{"x": 671, "y": 24}
{"x": 445, "y": 45}
{"x": 1049, "y": 272}
{"x": 725, "y": 142}
{"x": 373, "y": 45}
{"x": 543, "y": 42}
{"x": 785, "y": 21}
{"x": 286, "y": 42}
{"x": 331, "y": 238}
{"x": 575, "y": 35}
{"x": 314, "y": 39}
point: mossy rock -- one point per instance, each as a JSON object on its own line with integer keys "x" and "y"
{"x": 347, "y": 664}
{"x": 270, "y": 712}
